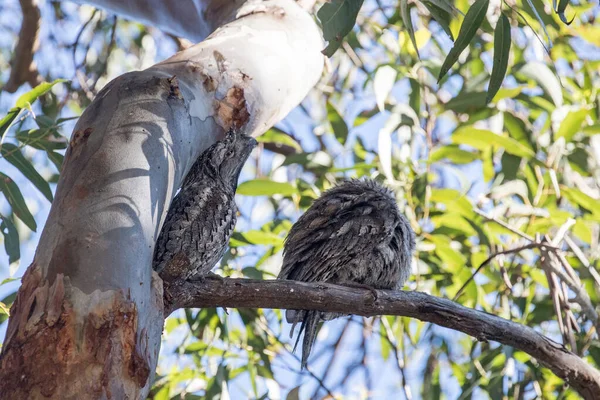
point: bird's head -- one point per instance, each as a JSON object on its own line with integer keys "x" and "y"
{"x": 225, "y": 159}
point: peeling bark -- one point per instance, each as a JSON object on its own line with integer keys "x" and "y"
{"x": 65, "y": 343}
{"x": 89, "y": 315}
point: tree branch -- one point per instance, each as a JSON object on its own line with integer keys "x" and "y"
{"x": 246, "y": 293}
{"x": 23, "y": 67}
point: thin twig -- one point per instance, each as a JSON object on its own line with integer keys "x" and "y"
{"x": 491, "y": 257}
{"x": 583, "y": 259}
{"x": 504, "y": 225}
{"x": 391, "y": 339}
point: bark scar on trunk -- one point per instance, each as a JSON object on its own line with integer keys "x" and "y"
{"x": 174, "y": 91}
{"x": 80, "y": 136}
{"x": 231, "y": 110}
{"x": 250, "y": 9}
{"x": 96, "y": 348}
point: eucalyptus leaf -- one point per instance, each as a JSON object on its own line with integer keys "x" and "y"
{"x": 57, "y": 159}
{"x": 277, "y": 136}
{"x": 560, "y": 10}
{"x": 440, "y": 15}
{"x": 468, "y": 29}
{"x": 337, "y": 19}
{"x": 265, "y": 187}
{"x": 454, "y": 154}
{"x": 13, "y": 155}
{"x": 572, "y": 123}
{"x": 36, "y": 92}
{"x": 501, "y": 52}
{"x": 11, "y": 239}
{"x": 543, "y": 76}
{"x": 406, "y": 20}
{"x": 340, "y": 129}
{"x": 17, "y": 202}
{"x": 483, "y": 139}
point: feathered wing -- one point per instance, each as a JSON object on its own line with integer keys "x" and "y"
{"x": 335, "y": 241}
{"x": 327, "y": 241}
{"x": 198, "y": 226}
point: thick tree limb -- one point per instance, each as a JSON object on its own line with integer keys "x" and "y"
{"x": 23, "y": 68}
{"x": 246, "y": 293}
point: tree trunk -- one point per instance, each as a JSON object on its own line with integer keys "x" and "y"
{"x": 88, "y": 317}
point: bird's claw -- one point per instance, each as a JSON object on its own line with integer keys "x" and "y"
{"x": 371, "y": 289}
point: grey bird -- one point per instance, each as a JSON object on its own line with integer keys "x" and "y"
{"x": 353, "y": 235}
{"x": 203, "y": 214}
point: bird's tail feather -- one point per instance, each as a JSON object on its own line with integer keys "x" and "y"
{"x": 293, "y": 316}
{"x": 309, "y": 321}
{"x": 309, "y": 326}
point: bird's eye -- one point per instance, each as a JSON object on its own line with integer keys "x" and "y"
{"x": 230, "y": 153}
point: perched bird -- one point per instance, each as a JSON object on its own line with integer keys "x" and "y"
{"x": 353, "y": 235}
{"x": 202, "y": 215}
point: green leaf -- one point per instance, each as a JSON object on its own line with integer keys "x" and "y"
{"x": 310, "y": 161}
{"x": 441, "y": 15}
{"x": 42, "y": 139}
{"x": 258, "y": 237}
{"x": 454, "y": 201}
{"x": 468, "y": 28}
{"x": 17, "y": 202}
{"x": 562, "y": 6}
{"x": 510, "y": 166}
{"x": 518, "y": 130}
{"x": 467, "y": 102}
{"x": 581, "y": 199}
{"x": 482, "y": 139}
{"x": 44, "y": 121}
{"x": 13, "y": 155}
{"x": 501, "y": 53}
{"x": 578, "y": 159}
{"x": 405, "y": 12}
{"x": 24, "y": 101}
{"x": 36, "y": 92}
{"x": 11, "y": 239}
{"x": 265, "y": 187}
{"x": 454, "y": 154}
{"x": 414, "y": 100}
{"x": 572, "y": 124}
{"x": 508, "y": 93}
{"x": 8, "y": 119}
{"x": 488, "y": 164}
{"x": 591, "y": 130}
{"x": 57, "y": 159}
{"x": 545, "y": 78}
{"x": 337, "y": 18}
{"x": 277, "y": 136}
{"x": 9, "y": 280}
{"x": 340, "y": 129}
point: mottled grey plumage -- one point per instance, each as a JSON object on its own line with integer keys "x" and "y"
{"x": 202, "y": 216}
{"x": 353, "y": 235}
